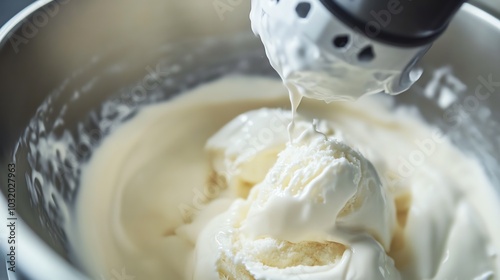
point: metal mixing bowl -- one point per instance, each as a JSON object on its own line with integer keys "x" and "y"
{"x": 64, "y": 62}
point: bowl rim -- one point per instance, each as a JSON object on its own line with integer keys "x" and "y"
{"x": 18, "y": 18}
{"x": 34, "y": 258}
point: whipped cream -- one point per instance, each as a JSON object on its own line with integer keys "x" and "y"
{"x": 154, "y": 203}
{"x": 317, "y": 214}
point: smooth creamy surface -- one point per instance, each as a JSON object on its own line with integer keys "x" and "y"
{"x": 205, "y": 186}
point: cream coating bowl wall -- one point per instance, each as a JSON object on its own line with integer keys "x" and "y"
{"x": 62, "y": 60}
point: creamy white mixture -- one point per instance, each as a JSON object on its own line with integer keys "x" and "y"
{"x": 206, "y": 186}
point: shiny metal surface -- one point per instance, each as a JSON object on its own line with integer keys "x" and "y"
{"x": 313, "y": 49}
{"x": 102, "y": 49}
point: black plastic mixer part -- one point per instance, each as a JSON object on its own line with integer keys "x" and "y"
{"x": 404, "y": 23}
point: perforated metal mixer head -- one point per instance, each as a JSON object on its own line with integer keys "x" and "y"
{"x": 327, "y": 57}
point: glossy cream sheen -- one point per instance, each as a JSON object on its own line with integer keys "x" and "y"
{"x": 319, "y": 197}
{"x": 163, "y": 195}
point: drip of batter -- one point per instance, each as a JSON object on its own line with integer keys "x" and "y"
{"x": 295, "y": 99}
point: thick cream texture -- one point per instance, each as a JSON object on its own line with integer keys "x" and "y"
{"x": 316, "y": 215}
{"x": 316, "y": 187}
{"x": 148, "y": 181}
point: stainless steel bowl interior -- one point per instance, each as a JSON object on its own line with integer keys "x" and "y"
{"x": 92, "y": 65}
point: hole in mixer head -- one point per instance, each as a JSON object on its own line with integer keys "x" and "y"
{"x": 366, "y": 54}
{"x": 303, "y": 9}
{"x": 341, "y": 41}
